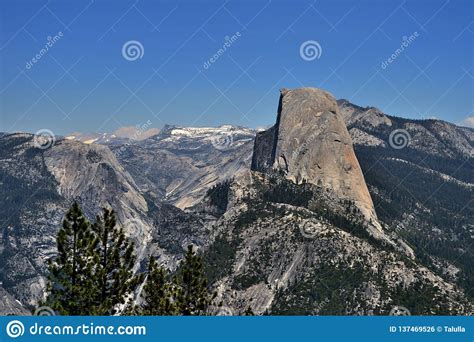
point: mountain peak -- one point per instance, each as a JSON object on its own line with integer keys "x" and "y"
{"x": 310, "y": 142}
{"x": 181, "y": 131}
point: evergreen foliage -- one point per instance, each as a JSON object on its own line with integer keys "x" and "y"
{"x": 71, "y": 273}
{"x": 218, "y": 195}
{"x": 157, "y": 292}
{"x": 191, "y": 294}
{"x": 93, "y": 271}
{"x": 114, "y": 259}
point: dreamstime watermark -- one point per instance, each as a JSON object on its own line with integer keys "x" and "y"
{"x": 44, "y": 311}
{"x": 399, "y": 311}
{"x": 311, "y": 229}
{"x": 302, "y": 147}
{"x": 320, "y": 306}
{"x": 399, "y": 138}
{"x": 16, "y": 329}
{"x": 133, "y": 226}
{"x": 51, "y": 40}
{"x": 310, "y": 50}
{"x": 44, "y": 139}
{"x": 406, "y": 42}
{"x": 224, "y": 311}
{"x": 133, "y": 50}
{"x": 228, "y": 41}
{"x": 222, "y": 141}
{"x": 140, "y": 130}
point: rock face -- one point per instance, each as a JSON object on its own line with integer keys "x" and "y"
{"x": 272, "y": 242}
{"x": 310, "y": 142}
{"x": 422, "y": 188}
{"x": 36, "y": 189}
{"x": 9, "y": 306}
{"x": 180, "y": 164}
{"x": 290, "y": 257}
{"x": 368, "y": 126}
{"x": 91, "y": 175}
{"x": 369, "y": 116}
{"x": 292, "y": 248}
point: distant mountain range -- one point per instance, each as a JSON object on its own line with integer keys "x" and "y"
{"x": 336, "y": 209}
{"x": 181, "y": 163}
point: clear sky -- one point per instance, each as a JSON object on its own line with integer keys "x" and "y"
{"x": 83, "y": 82}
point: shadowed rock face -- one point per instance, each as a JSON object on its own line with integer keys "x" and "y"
{"x": 37, "y": 187}
{"x": 310, "y": 142}
{"x": 9, "y": 306}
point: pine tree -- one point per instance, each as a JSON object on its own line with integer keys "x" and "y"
{"x": 114, "y": 258}
{"x": 157, "y": 292}
{"x": 70, "y": 272}
{"x": 191, "y": 293}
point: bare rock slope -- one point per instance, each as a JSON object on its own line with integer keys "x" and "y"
{"x": 38, "y": 186}
{"x": 180, "y": 164}
{"x": 421, "y": 178}
{"x": 299, "y": 234}
{"x": 310, "y": 142}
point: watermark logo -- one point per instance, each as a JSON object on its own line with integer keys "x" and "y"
{"x": 228, "y": 41}
{"x": 133, "y": 225}
{"x": 399, "y": 138}
{"x": 139, "y": 131}
{"x": 311, "y": 229}
{"x": 406, "y": 42}
{"x": 44, "y": 311}
{"x": 303, "y": 147}
{"x": 15, "y": 329}
{"x": 310, "y": 50}
{"x": 320, "y": 306}
{"x": 44, "y": 139}
{"x": 399, "y": 311}
{"x": 51, "y": 41}
{"x": 225, "y": 311}
{"x": 222, "y": 141}
{"x": 133, "y": 50}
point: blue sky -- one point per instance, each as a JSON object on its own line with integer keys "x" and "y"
{"x": 84, "y": 83}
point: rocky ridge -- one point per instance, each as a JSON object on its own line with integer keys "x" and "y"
{"x": 38, "y": 186}
{"x": 293, "y": 245}
{"x": 310, "y": 143}
{"x": 276, "y": 244}
{"x": 178, "y": 165}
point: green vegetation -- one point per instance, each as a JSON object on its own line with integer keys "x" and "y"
{"x": 92, "y": 274}
{"x": 326, "y": 291}
{"x": 218, "y": 195}
{"x": 348, "y": 217}
{"x": 331, "y": 289}
{"x": 220, "y": 257}
{"x": 157, "y": 292}
{"x": 114, "y": 259}
{"x": 72, "y": 280}
{"x": 191, "y": 295}
{"x": 435, "y": 213}
{"x": 184, "y": 294}
{"x": 284, "y": 191}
